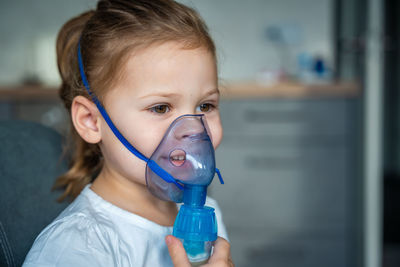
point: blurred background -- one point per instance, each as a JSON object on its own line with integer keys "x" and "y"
{"x": 311, "y": 154}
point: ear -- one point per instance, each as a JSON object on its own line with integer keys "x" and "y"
{"x": 86, "y": 119}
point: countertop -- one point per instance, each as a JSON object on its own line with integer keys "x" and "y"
{"x": 236, "y": 90}
{"x": 253, "y": 89}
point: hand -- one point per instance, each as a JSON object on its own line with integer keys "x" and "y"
{"x": 221, "y": 256}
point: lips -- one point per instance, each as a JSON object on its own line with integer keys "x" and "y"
{"x": 177, "y": 157}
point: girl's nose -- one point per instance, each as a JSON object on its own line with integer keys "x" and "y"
{"x": 189, "y": 127}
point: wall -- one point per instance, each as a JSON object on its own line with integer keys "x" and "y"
{"x": 28, "y": 30}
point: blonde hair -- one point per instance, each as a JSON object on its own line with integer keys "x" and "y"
{"x": 107, "y": 35}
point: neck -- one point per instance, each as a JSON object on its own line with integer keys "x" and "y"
{"x": 133, "y": 197}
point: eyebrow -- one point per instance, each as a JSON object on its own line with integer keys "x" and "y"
{"x": 212, "y": 91}
{"x": 174, "y": 95}
{"x": 161, "y": 94}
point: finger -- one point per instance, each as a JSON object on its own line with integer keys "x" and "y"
{"x": 222, "y": 251}
{"x": 177, "y": 252}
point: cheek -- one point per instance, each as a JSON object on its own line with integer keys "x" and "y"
{"x": 216, "y": 133}
{"x": 148, "y": 137}
{"x": 120, "y": 159}
{"x": 142, "y": 134}
{"x": 147, "y": 142}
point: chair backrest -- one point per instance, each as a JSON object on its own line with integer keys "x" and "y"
{"x": 30, "y": 161}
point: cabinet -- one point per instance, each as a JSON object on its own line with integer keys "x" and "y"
{"x": 290, "y": 167}
{"x": 291, "y": 184}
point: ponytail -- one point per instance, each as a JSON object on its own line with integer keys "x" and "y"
{"x": 86, "y": 158}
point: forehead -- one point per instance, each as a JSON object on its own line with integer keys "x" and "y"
{"x": 168, "y": 66}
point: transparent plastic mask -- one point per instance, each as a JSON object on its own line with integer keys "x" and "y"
{"x": 186, "y": 152}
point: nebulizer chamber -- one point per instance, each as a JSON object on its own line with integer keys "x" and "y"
{"x": 187, "y": 154}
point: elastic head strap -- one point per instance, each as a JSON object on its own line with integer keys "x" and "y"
{"x": 103, "y": 111}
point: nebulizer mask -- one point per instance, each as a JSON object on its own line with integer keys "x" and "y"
{"x": 186, "y": 152}
{"x": 179, "y": 170}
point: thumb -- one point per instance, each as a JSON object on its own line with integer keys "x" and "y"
{"x": 177, "y": 252}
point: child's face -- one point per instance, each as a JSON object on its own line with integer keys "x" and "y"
{"x": 159, "y": 84}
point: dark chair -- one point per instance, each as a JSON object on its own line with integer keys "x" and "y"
{"x": 30, "y": 161}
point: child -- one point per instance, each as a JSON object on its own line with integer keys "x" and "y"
{"x": 148, "y": 62}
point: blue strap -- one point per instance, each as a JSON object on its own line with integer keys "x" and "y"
{"x": 104, "y": 113}
{"x": 219, "y": 176}
{"x": 163, "y": 174}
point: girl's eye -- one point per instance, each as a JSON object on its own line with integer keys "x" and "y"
{"x": 160, "y": 109}
{"x": 206, "y": 107}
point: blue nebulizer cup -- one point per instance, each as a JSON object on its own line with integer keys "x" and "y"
{"x": 186, "y": 153}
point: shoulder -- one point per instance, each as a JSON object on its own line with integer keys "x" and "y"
{"x": 211, "y": 202}
{"x": 66, "y": 239}
{"x": 79, "y": 236}
{"x": 221, "y": 226}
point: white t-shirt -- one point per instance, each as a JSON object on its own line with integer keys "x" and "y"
{"x": 94, "y": 232}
